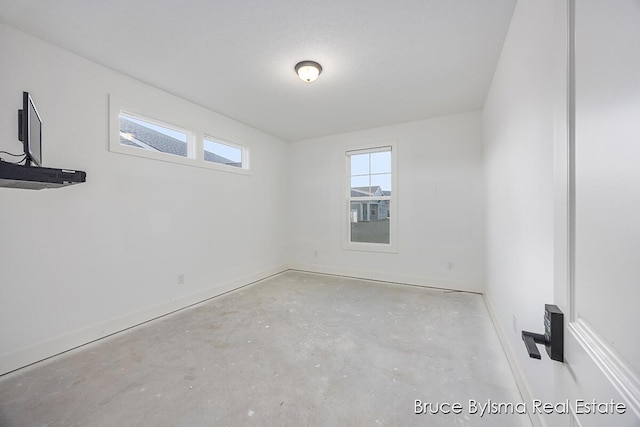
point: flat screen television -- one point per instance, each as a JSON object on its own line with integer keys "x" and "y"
{"x": 30, "y": 131}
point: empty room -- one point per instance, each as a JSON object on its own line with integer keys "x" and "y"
{"x": 292, "y": 213}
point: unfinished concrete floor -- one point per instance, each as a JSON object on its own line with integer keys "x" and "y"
{"x": 296, "y": 349}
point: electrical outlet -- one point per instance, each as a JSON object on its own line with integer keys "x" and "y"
{"x": 315, "y": 254}
{"x": 450, "y": 265}
{"x": 181, "y": 279}
{"x": 515, "y": 324}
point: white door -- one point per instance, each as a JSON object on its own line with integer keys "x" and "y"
{"x": 598, "y": 217}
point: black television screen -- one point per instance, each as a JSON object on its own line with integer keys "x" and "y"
{"x": 30, "y": 131}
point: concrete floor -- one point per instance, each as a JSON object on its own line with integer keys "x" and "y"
{"x": 296, "y": 349}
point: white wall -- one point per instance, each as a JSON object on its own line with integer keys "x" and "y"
{"x": 82, "y": 262}
{"x": 518, "y": 153}
{"x": 440, "y": 202}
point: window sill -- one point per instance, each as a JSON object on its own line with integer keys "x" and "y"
{"x": 172, "y": 158}
{"x": 370, "y": 247}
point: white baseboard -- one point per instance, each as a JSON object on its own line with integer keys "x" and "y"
{"x": 26, "y": 356}
{"x": 518, "y": 372}
{"x": 391, "y": 277}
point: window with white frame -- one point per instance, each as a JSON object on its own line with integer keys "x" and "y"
{"x": 224, "y": 153}
{"x": 371, "y": 180}
{"x": 153, "y": 135}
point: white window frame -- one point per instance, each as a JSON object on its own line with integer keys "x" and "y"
{"x": 191, "y": 149}
{"x": 347, "y": 244}
{"x": 149, "y": 111}
{"x": 244, "y": 150}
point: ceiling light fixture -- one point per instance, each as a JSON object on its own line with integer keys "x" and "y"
{"x": 308, "y": 71}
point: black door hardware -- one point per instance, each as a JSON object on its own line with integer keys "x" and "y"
{"x": 553, "y": 337}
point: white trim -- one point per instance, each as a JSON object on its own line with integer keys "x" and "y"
{"x": 44, "y": 350}
{"x": 614, "y": 367}
{"x": 428, "y": 282}
{"x": 516, "y": 369}
{"x": 570, "y": 165}
{"x": 377, "y": 149}
{"x": 347, "y": 244}
{"x": 195, "y": 146}
{"x": 27, "y": 356}
{"x": 562, "y": 176}
{"x": 244, "y": 151}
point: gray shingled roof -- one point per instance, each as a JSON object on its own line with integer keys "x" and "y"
{"x": 162, "y": 142}
{"x": 213, "y": 157}
{"x": 152, "y": 138}
{"x": 368, "y": 191}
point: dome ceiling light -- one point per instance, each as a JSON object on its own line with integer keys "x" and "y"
{"x": 308, "y": 71}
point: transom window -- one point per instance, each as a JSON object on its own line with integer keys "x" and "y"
{"x": 224, "y": 153}
{"x": 149, "y": 134}
{"x": 137, "y": 127}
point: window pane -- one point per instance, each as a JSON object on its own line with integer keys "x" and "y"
{"x": 140, "y": 133}
{"x": 370, "y": 221}
{"x": 383, "y": 181}
{"x": 360, "y": 164}
{"x": 381, "y": 162}
{"x": 218, "y": 152}
{"x": 360, "y": 186}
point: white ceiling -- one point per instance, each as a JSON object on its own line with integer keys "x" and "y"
{"x": 385, "y": 62}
